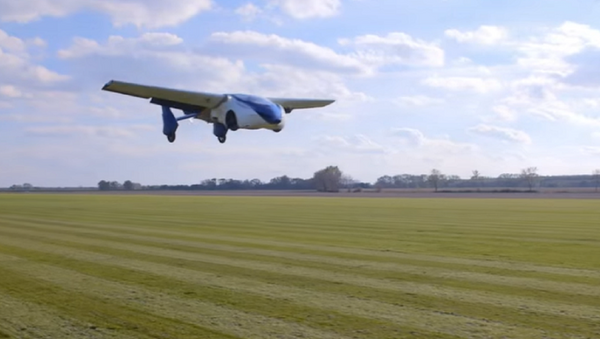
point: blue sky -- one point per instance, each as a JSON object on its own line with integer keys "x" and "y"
{"x": 456, "y": 85}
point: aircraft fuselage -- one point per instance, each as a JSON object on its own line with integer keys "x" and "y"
{"x": 242, "y": 111}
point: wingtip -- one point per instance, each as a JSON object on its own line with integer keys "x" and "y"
{"x": 106, "y": 85}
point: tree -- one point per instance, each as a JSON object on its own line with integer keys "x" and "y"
{"x": 103, "y": 185}
{"x": 596, "y": 175}
{"x": 128, "y": 185}
{"x": 282, "y": 182}
{"x": 476, "y": 177}
{"x": 328, "y": 179}
{"x": 530, "y": 175}
{"x": 435, "y": 178}
{"x": 347, "y": 182}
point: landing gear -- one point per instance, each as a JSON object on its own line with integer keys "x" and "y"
{"x": 231, "y": 121}
{"x": 220, "y": 131}
{"x": 170, "y": 124}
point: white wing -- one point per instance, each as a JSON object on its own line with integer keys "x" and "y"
{"x": 199, "y": 100}
{"x": 296, "y": 103}
{"x": 192, "y": 101}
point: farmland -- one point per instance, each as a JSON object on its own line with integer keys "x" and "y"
{"x": 162, "y": 266}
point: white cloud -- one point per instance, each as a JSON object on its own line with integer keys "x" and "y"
{"x": 502, "y": 133}
{"x": 370, "y": 52}
{"x": 22, "y": 76}
{"x": 153, "y": 58}
{"x": 485, "y": 35}
{"x": 10, "y": 91}
{"x": 11, "y": 43}
{"x": 541, "y": 101}
{"x": 307, "y": 9}
{"x": 111, "y": 132}
{"x": 548, "y": 54}
{"x": 505, "y": 113}
{"x": 285, "y": 81}
{"x": 417, "y": 100}
{"x": 431, "y": 146}
{"x": 358, "y": 143}
{"x": 118, "y": 45}
{"x": 277, "y": 49}
{"x": 141, "y": 13}
{"x": 249, "y": 11}
{"x": 475, "y": 84}
{"x": 395, "y": 48}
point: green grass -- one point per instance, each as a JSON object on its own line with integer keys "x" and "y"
{"x": 283, "y": 267}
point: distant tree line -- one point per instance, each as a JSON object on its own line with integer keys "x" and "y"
{"x": 333, "y": 179}
{"x": 128, "y": 185}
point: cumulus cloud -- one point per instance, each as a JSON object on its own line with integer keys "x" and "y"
{"x": 307, "y": 9}
{"x": 395, "y": 48}
{"x": 276, "y": 49}
{"x": 141, "y": 13}
{"x": 417, "y": 100}
{"x": 505, "y": 113}
{"x": 537, "y": 96}
{"x": 248, "y": 11}
{"x": 22, "y": 76}
{"x": 502, "y": 133}
{"x": 549, "y": 53}
{"x": 480, "y": 85}
{"x": 358, "y": 143}
{"x": 153, "y": 58}
{"x": 285, "y": 81}
{"x": 111, "y": 132}
{"x": 415, "y": 138}
{"x": 368, "y": 53}
{"x": 484, "y": 35}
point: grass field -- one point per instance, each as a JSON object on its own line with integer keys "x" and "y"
{"x": 110, "y": 266}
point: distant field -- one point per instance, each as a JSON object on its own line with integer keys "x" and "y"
{"x": 136, "y": 266}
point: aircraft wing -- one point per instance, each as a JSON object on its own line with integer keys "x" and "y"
{"x": 186, "y": 100}
{"x": 292, "y": 103}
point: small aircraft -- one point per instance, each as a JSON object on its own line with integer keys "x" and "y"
{"x": 225, "y": 111}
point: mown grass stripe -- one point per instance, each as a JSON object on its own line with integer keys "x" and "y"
{"x": 564, "y": 236}
{"x": 97, "y": 310}
{"x": 566, "y": 296}
{"x": 246, "y": 286}
{"x": 561, "y": 290}
{"x": 189, "y": 284}
{"x": 333, "y": 250}
{"x": 221, "y": 319}
{"x": 563, "y": 309}
{"x": 324, "y": 234}
{"x": 23, "y": 319}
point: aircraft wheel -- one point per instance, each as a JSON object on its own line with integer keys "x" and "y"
{"x": 222, "y": 139}
{"x": 231, "y": 121}
{"x": 171, "y": 137}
